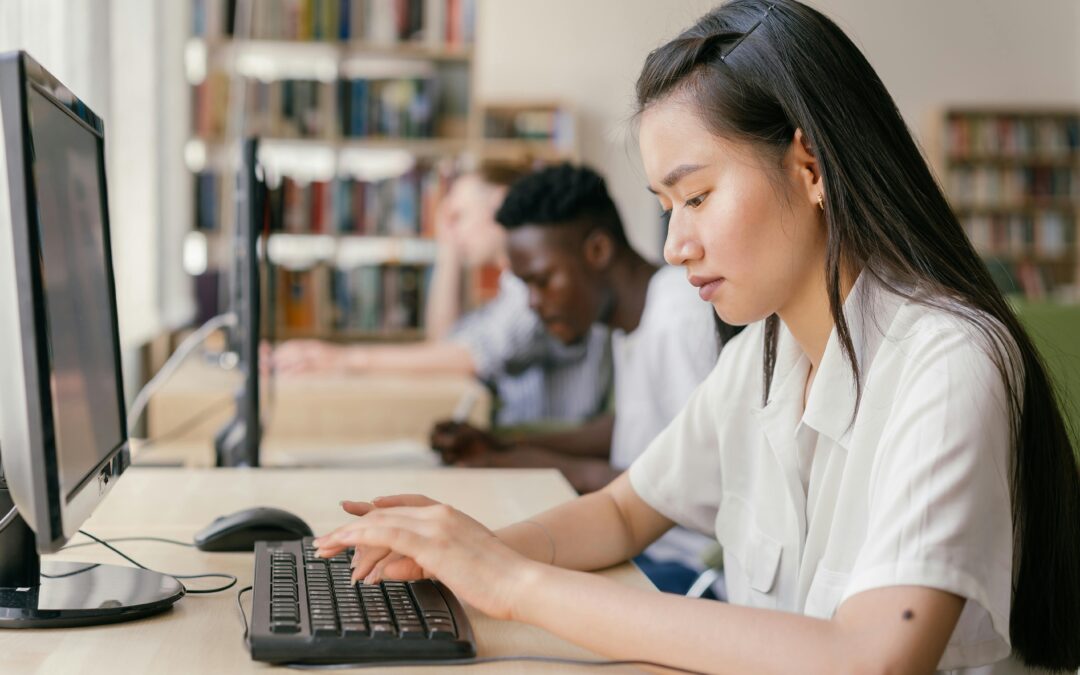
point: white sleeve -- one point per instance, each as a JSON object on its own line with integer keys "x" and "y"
{"x": 687, "y": 353}
{"x": 502, "y": 332}
{"x": 939, "y": 506}
{"x": 679, "y": 473}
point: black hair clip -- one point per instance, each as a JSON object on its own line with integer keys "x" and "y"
{"x": 723, "y": 57}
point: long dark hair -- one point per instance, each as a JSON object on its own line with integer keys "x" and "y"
{"x": 757, "y": 71}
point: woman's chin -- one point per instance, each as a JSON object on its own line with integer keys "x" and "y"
{"x": 736, "y": 316}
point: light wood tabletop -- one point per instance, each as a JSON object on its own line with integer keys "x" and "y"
{"x": 198, "y": 399}
{"x": 202, "y": 634}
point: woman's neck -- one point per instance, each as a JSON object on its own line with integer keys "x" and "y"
{"x": 808, "y": 316}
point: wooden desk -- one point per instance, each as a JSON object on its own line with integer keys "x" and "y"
{"x": 317, "y": 452}
{"x": 360, "y": 408}
{"x": 202, "y": 634}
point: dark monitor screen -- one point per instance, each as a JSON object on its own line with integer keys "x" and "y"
{"x": 67, "y": 172}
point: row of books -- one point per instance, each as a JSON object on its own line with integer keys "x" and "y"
{"x": 549, "y": 124}
{"x": 404, "y": 206}
{"x": 355, "y": 108}
{"x": 1012, "y": 136}
{"x": 1005, "y": 186}
{"x": 369, "y": 299}
{"x": 403, "y": 108}
{"x": 1048, "y": 234}
{"x": 449, "y": 22}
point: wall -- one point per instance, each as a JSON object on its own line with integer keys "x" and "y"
{"x": 929, "y": 53}
{"x": 115, "y": 56}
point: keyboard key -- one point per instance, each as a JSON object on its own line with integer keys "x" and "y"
{"x": 442, "y": 634}
{"x": 429, "y": 599}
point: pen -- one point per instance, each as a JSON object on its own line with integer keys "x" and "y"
{"x": 465, "y": 406}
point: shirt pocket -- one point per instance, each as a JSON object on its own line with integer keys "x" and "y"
{"x": 825, "y": 592}
{"x": 751, "y": 557}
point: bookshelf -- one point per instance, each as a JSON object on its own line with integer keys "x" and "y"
{"x": 366, "y": 111}
{"x": 530, "y": 131}
{"x": 1013, "y": 177}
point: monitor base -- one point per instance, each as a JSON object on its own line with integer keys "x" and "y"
{"x": 84, "y": 594}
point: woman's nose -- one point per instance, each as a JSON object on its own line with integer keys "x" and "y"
{"x": 682, "y": 245}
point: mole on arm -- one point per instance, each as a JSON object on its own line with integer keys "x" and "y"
{"x": 908, "y": 615}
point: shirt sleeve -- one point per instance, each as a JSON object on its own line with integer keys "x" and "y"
{"x": 679, "y": 473}
{"x": 502, "y": 336}
{"x": 939, "y": 506}
{"x": 687, "y": 352}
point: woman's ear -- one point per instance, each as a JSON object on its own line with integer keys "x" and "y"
{"x": 809, "y": 171}
{"x": 599, "y": 250}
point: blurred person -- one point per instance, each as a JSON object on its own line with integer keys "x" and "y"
{"x": 535, "y": 378}
{"x": 566, "y": 242}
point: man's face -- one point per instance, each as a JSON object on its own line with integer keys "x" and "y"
{"x": 567, "y": 295}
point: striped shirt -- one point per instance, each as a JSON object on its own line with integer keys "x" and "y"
{"x": 535, "y": 377}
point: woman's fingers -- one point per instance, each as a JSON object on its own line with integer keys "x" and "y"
{"x": 357, "y": 508}
{"x": 403, "y": 500}
{"x": 400, "y": 529}
{"x": 404, "y": 569}
{"x": 376, "y": 574}
{"x": 365, "y": 559}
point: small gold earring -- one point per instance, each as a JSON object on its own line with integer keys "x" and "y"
{"x": 821, "y": 201}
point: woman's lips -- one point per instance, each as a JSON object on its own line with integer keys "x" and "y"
{"x": 706, "y": 287}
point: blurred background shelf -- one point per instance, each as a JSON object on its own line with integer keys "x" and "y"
{"x": 1013, "y": 177}
{"x": 366, "y": 111}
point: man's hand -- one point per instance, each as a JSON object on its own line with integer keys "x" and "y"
{"x": 463, "y": 445}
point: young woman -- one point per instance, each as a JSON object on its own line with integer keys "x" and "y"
{"x": 880, "y": 453}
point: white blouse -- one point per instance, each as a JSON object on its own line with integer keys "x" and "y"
{"x": 912, "y": 489}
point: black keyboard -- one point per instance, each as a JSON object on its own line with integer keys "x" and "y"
{"x": 308, "y": 610}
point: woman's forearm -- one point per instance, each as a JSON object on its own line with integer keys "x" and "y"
{"x": 592, "y": 532}
{"x": 868, "y": 635}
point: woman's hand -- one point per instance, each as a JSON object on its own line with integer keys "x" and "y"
{"x": 444, "y": 543}
{"x": 373, "y": 564}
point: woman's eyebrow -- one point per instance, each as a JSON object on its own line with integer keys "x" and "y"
{"x": 677, "y": 174}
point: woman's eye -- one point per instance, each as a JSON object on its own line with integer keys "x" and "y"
{"x": 695, "y": 202}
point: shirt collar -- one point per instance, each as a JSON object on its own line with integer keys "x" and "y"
{"x": 869, "y": 309}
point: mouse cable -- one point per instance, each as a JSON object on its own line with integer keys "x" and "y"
{"x": 243, "y": 614}
{"x": 163, "y": 540}
{"x": 194, "y": 591}
{"x": 599, "y": 663}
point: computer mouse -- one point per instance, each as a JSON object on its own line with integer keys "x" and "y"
{"x": 239, "y": 531}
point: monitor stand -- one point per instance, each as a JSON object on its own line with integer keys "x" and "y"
{"x": 64, "y": 594}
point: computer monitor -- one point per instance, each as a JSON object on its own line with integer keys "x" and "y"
{"x": 63, "y": 428}
{"x": 237, "y": 443}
